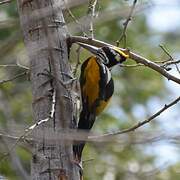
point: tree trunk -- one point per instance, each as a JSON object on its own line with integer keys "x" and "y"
{"x": 45, "y": 35}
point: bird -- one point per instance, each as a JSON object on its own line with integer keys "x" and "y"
{"x": 96, "y": 86}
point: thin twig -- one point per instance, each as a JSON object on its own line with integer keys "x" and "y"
{"x": 13, "y": 78}
{"x": 74, "y": 18}
{"x": 132, "y": 55}
{"x": 5, "y": 2}
{"x": 162, "y": 64}
{"x": 22, "y": 66}
{"x": 131, "y": 65}
{"x": 170, "y": 57}
{"x": 8, "y": 65}
{"x": 141, "y": 137}
{"x": 25, "y": 143}
{"x": 91, "y": 12}
{"x": 7, "y": 136}
{"x": 21, "y": 138}
{"x": 166, "y": 51}
{"x": 101, "y": 17}
{"x": 141, "y": 65}
{"x": 141, "y": 123}
{"x": 28, "y": 130}
{"x": 172, "y": 62}
{"x": 13, "y": 65}
{"x": 125, "y": 24}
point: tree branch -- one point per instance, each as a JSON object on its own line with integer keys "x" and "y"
{"x": 13, "y": 78}
{"x": 92, "y": 14}
{"x": 5, "y": 2}
{"x": 102, "y": 17}
{"x": 141, "y": 123}
{"x": 125, "y": 24}
{"x": 132, "y": 55}
{"x": 171, "y": 59}
{"x": 172, "y": 62}
{"x": 74, "y": 18}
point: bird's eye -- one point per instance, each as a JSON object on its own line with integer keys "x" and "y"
{"x": 113, "y": 52}
{"x": 117, "y": 57}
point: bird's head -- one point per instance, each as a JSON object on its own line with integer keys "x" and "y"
{"x": 108, "y": 55}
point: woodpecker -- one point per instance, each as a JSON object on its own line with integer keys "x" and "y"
{"x": 97, "y": 87}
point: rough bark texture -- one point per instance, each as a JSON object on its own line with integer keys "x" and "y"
{"x": 45, "y": 34}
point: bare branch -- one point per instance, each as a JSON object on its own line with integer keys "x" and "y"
{"x": 8, "y": 65}
{"x": 28, "y": 130}
{"x": 74, "y": 18}
{"x": 20, "y": 139}
{"x": 170, "y": 58}
{"x": 5, "y": 2}
{"x": 22, "y": 66}
{"x": 80, "y": 135}
{"x": 92, "y": 14}
{"x": 13, "y": 78}
{"x": 172, "y": 62}
{"x": 125, "y": 24}
{"x": 166, "y": 51}
{"x": 141, "y": 123}
{"x": 141, "y": 65}
{"x": 15, "y": 161}
{"x": 132, "y": 55}
{"x": 167, "y": 62}
{"x": 140, "y": 137}
{"x": 14, "y": 65}
{"x": 102, "y": 17}
{"x": 6, "y": 136}
{"x": 131, "y": 65}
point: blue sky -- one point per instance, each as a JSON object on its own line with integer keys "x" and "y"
{"x": 165, "y": 15}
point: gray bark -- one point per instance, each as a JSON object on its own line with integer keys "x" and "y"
{"x": 45, "y": 33}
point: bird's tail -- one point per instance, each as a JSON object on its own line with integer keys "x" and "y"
{"x": 86, "y": 122}
{"x": 77, "y": 150}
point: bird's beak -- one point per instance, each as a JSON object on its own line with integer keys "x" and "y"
{"x": 90, "y": 48}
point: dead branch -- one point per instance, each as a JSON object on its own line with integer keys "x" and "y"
{"x": 5, "y": 2}
{"x": 102, "y": 17}
{"x": 13, "y": 78}
{"x": 141, "y": 123}
{"x": 171, "y": 59}
{"x": 125, "y": 24}
{"x": 132, "y": 55}
{"x": 92, "y": 14}
{"x": 74, "y": 18}
{"x": 172, "y": 62}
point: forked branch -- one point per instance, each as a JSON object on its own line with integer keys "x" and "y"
{"x": 132, "y": 55}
